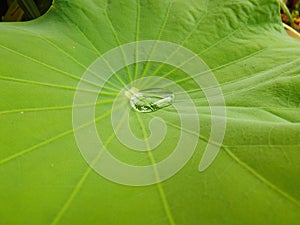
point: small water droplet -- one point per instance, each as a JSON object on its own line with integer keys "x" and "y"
{"x": 150, "y": 100}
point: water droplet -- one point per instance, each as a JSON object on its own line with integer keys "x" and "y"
{"x": 150, "y": 100}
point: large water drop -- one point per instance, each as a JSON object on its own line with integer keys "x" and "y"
{"x": 150, "y": 100}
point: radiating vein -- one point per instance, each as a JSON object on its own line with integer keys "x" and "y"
{"x": 158, "y": 184}
{"x": 72, "y": 196}
{"x": 79, "y": 185}
{"x": 69, "y": 56}
{"x": 244, "y": 165}
{"x": 52, "y": 139}
{"x": 40, "y": 63}
{"x": 12, "y": 79}
{"x": 117, "y": 39}
{"x": 194, "y": 28}
{"x": 226, "y": 37}
{"x": 137, "y": 31}
{"x": 66, "y": 19}
{"x": 261, "y": 178}
{"x": 99, "y": 53}
{"x": 200, "y": 53}
{"x": 162, "y": 28}
{"x": 257, "y": 80}
{"x": 83, "y": 66}
{"x": 209, "y": 70}
{"x": 50, "y": 67}
{"x": 28, "y": 150}
{"x": 53, "y": 108}
{"x": 205, "y": 71}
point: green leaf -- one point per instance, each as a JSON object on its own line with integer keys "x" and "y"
{"x": 253, "y": 180}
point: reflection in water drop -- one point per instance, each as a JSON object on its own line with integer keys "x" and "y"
{"x": 150, "y": 100}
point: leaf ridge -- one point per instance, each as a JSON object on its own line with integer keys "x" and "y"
{"x": 245, "y": 166}
{"x": 158, "y": 184}
{"x": 52, "y": 139}
{"x": 117, "y": 39}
